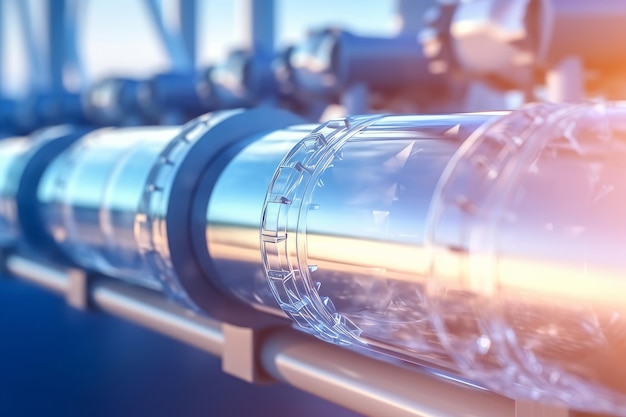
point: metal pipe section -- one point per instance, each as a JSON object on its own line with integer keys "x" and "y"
{"x": 116, "y": 102}
{"x": 90, "y": 195}
{"x": 118, "y": 202}
{"x": 332, "y": 62}
{"x": 527, "y": 256}
{"x": 138, "y": 305}
{"x": 172, "y": 98}
{"x": 232, "y": 251}
{"x": 152, "y": 310}
{"x": 228, "y": 248}
{"x": 244, "y": 79}
{"x": 10, "y": 160}
{"x": 22, "y": 163}
{"x": 52, "y": 279}
{"x": 379, "y": 63}
{"x": 489, "y": 244}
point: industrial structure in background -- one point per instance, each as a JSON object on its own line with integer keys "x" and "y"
{"x": 441, "y": 212}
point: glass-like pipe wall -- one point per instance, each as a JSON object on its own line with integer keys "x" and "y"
{"x": 527, "y": 241}
{"x": 369, "y": 208}
{"x": 490, "y": 244}
{"x": 504, "y": 258}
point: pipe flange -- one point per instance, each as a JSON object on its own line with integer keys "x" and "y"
{"x": 288, "y": 200}
{"x": 150, "y": 223}
{"x": 164, "y": 220}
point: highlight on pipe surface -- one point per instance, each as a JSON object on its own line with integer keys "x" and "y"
{"x": 89, "y": 198}
{"x": 527, "y": 256}
{"x": 23, "y": 161}
{"x": 503, "y": 259}
{"x": 489, "y": 244}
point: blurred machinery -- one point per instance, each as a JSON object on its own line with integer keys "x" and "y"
{"x": 465, "y": 262}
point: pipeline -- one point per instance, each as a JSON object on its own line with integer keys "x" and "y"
{"x": 488, "y": 244}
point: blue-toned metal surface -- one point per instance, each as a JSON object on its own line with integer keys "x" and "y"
{"x": 57, "y": 42}
{"x": 188, "y": 11}
{"x": 261, "y": 24}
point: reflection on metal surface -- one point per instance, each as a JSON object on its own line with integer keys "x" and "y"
{"x": 90, "y": 196}
{"x": 487, "y": 244}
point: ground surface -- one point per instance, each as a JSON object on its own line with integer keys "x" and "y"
{"x": 56, "y": 361}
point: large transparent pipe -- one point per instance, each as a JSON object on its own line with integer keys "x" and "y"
{"x": 491, "y": 244}
{"x": 527, "y": 242}
{"x": 350, "y": 233}
{"x": 504, "y": 258}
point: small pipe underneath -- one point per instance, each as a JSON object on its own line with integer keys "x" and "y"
{"x": 150, "y": 309}
{"x": 53, "y": 279}
{"x": 346, "y": 378}
{"x": 369, "y": 386}
{"x": 141, "y": 306}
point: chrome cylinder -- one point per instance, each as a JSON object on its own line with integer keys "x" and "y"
{"x": 527, "y": 256}
{"x": 22, "y": 162}
{"x": 232, "y": 253}
{"x": 91, "y": 194}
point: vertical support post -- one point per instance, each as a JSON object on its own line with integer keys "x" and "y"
{"x": 241, "y": 353}
{"x": 566, "y": 81}
{"x": 77, "y": 294}
{"x": 56, "y": 44}
{"x": 259, "y": 25}
{"x": 355, "y": 99}
{"x": 188, "y": 11}
{"x": 3, "y": 251}
{"x": 73, "y": 65}
{"x": 410, "y": 15}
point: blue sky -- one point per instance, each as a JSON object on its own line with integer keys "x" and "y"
{"x": 117, "y": 37}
